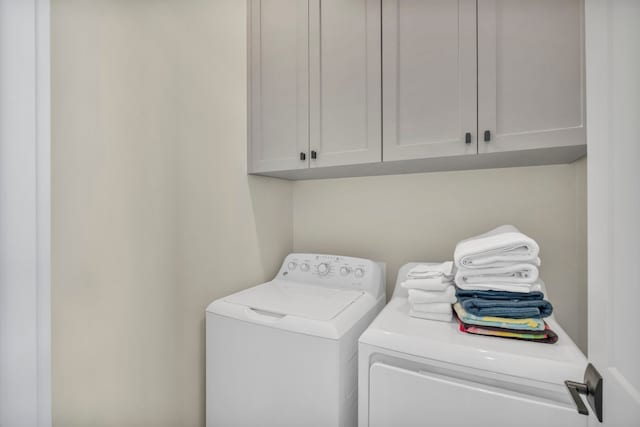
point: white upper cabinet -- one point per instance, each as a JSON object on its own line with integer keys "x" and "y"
{"x": 530, "y": 74}
{"x": 370, "y": 87}
{"x": 429, "y": 78}
{"x": 278, "y": 85}
{"x": 345, "y": 95}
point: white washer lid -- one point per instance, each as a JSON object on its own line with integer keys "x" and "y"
{"x": 395, "y": 330}
{"x": 296, "y": 299}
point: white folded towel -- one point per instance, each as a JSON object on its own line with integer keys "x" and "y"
{"x": 428, "y": 271}
{"x": 433, "y": 284}
{"x": 509, "y": 287}
{"x": 497, "y": 247}
{"x": 441, "y": 317}
{"x": 432, "y": 307}
{"x": 514, "y": 273}
{"x": 417, "y": 296}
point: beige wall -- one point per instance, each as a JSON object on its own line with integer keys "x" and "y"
{"x": 420, "y": 217}
{"x": 579, "y": 299}
{"x": 153, "y": 214}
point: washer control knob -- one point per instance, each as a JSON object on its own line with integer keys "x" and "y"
{"x": 292, "y": 265}
{"x": 344, "y": 271}
{"x": 359, "y": 272}
{"x": 323, "y": 269}
{"x": 304, "y": 267}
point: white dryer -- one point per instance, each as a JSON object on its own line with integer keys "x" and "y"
{"x": 284, "y": 353}
{"x": 415, "y": 372}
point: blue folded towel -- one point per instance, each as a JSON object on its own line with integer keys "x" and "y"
{"x": 509, "y": 308}
{"x": 499, "y": 295}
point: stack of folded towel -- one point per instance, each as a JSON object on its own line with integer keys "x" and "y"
{"x": 431, "y": 291}
{"x": 498, "y": 289}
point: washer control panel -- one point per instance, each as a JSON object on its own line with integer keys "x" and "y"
{"x": 334, "y": 271}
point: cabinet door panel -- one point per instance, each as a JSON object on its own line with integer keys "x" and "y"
{"x": 429, "y": 78}
{"x": 530, "y": 74}
{"x": 345, "y": 82}
{"x": 279, "y": 117}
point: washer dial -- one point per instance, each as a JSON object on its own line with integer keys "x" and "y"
{"x": 323, "y": 269}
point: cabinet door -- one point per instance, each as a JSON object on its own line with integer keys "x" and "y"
{"x": 345, "y": 82}
{"x": 429, "y": 78}
{"x": 530, "y": 74}
{"x": 279, "y": 85}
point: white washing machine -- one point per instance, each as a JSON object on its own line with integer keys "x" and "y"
{"x": 415, "y": 372}
{"x": 284, "y": 353}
